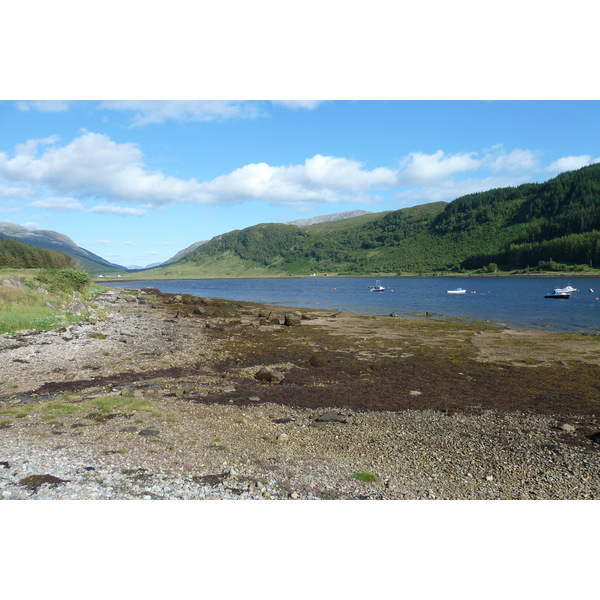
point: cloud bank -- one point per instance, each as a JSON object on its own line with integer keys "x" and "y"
{"x": 93, "y": 167}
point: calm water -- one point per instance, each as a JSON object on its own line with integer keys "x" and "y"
{"x": 514, "y": 301}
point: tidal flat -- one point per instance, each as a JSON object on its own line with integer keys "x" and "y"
{"x": 174, "y": 396}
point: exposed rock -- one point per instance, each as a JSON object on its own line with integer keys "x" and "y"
{"x": 149, "y": 432}
{"x": 292, "y": 319}
{"x": 567, "y": 427}
{"x": 332, "y": 416}
{"x": 78, "y": 308}
{"x": 9, "y": 281}
{"x": 268, "y": 375}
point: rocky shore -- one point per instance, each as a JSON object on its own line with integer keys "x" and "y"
{"x": 175, "y": 397}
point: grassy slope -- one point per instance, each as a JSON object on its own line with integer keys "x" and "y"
{"x": 27, "y": 307}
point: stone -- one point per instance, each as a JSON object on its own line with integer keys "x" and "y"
{"x": 77, "y": 308}
{"x": 9, "y": 281}
{"x": 567, "y": 427}
{"x": 267, "y": 375}
{"x": 149, "y": 432}
{"x": 292, "y": 319}
{"x": 332, "y": 416}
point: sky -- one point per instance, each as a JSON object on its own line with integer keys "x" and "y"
{"x": 137, "y": 181}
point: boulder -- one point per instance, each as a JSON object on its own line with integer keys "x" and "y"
{"x": 292, "y": 319}
{"x": 268, "y": 375}
{"x": 9, "y": 281}
{"x": 567, "y": 427}
{"x": 78, "y": 308}
{"x": 332, "y": 416}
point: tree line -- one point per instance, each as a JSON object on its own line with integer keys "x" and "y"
{"x": 17, "y": 255}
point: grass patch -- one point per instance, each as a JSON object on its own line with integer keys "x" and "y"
{"x": 366, "y": 477}
{"x": 60, "y": 408}
{"x": 18, "y": 411}
{"x": 121, "y": 403}
{"x": 97, "y": 336}
{"x": 40, "y": 303}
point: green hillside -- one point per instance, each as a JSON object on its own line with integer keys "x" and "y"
{"x": 16, "y": 255}
{"x": 548, "y": 226}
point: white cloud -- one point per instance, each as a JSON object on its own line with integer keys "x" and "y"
{"x": 299, "y": 104}
{"x": 320, "y": 178}
{"x": 158, "y": 111}
{"x": 58, "y": 204}
{"x": 43, "y": 105}
{"x": 420, "y": 168}
{"x": 569, "y": 163}
{"x": 15, "y": 192}
{"x": 93, "y": 166}
{"x": 122, "y": 211}
{"x": 515, "y": 161}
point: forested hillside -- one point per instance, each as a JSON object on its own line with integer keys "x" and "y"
{"x": 16, "y": 255}
{"x": 532, "y": 226}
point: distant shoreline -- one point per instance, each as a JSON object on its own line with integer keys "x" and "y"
{"x": 447, "y": 275}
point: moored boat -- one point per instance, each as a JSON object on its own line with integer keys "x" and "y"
{"x": 457, "y": 291}
{"x": 567, "y": 290}
{"x": 558, "y": 295}
{"x": 377, "y": 287}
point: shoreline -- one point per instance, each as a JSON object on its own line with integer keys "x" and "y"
{"x": 161, "y": 400}
{"x": 446, "y": 275}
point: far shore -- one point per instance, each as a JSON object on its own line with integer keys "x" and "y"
{"x": 111, "y": 279}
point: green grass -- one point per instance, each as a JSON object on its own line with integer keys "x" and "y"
{"x": 366, "y": 477}
{"x": 27, "y": 307}
{"x": 122, "y": 403}
{"x": 68, "y": 406}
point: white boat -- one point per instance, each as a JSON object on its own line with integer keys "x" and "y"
{"x": 558, "y": 295}
{"x": 377, "y": 287}
{"x": 457, "y": 291}
{"x": 567, "y": 290}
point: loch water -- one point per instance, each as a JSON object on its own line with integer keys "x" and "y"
{"x": 512, "y": 301}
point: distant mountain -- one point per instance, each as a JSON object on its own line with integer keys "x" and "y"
{"x": 180, "y": 254}
{"x": 326, "y": 218}
{"x": 298, "y": 223}
{"x": 51, "y": 240}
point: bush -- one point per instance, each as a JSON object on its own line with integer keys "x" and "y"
{"x": 65, "y": 280}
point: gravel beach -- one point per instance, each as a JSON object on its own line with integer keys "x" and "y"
{"x": 161, "y": 397}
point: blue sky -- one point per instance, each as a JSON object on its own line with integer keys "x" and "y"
{"x": 137, "y": 181}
